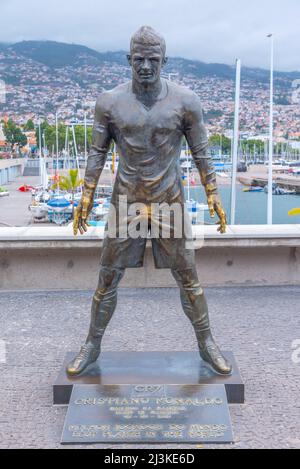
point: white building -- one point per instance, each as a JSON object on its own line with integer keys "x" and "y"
{"x": 2, "y": 136}
{"x": 293, "y": 144}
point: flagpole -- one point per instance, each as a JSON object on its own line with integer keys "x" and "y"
{"x": 235, "y": 141}
{"x": 40, "y": 145}
{"x": 271, "y": 138}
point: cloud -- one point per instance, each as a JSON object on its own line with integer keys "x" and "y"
{"x": 208, "y": 30}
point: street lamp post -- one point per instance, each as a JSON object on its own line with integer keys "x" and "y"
{"x": 271, "y": 138}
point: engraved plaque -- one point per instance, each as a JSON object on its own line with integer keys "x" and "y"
{"x": 148, "y": 414}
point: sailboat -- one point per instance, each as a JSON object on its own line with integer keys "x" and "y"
{"x": 40, "y": 195}
{"x": 103, "y": 195}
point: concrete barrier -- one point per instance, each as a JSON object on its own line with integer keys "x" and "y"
{"x": 51, "y": 258}
{"x": 11, "y": 169}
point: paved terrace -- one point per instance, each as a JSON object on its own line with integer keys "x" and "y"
{"x": 258, "y": 324}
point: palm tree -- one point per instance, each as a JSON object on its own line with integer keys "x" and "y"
{"x": 70, "y": 183}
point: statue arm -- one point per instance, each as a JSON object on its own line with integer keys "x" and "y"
{"x": 95, "y": 164}
{"x": 196, "y": 135}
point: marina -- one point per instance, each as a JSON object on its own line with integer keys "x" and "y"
{"x": 26, "y": 208}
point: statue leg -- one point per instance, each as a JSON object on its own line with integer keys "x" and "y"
{"x": 103, "y": 308}
{"x": 195, "y": 307}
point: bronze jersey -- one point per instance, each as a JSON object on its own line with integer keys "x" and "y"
{"x": 149, "y": 141}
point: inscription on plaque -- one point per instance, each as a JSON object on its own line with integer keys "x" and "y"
{"x": 148, "y": 414}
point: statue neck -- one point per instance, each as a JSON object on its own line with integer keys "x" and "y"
{"x": 147, "y": 93}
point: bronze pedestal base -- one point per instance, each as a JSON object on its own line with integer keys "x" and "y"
{"x": 116, "y": 368}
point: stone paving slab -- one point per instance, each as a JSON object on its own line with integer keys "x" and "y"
{"x": 14, "y": 209}
{"x": 258, "y": 324}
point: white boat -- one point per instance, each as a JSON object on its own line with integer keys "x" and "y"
{"x": 39, "y": 212}
{"x": 296, "y": 171}
{"x": 100, "y": 212}
{"x": 58, "y": 204}
{"x": 196, "y": 211}
{"x": 277, "y": 190}
{"x": 42, "y": 196}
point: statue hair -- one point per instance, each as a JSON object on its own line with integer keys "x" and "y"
{"x": 149, "y": 37}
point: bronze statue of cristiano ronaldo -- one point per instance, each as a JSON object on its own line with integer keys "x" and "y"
{"x": 147, "y": 118}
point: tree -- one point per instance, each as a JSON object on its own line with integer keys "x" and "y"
{"x": 29, "y": 126}
{"x": 49, "y": 131}
{"x": 252, "y": 146}
{"x": 14, "y": 134}
{"x": 216, "y": 140}
{"x": 43, "y": 126}
{"x": 70, "y": 183}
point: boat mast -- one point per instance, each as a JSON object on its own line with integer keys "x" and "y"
{"x": 44, "y": 143}
{"x": 57, "y": 150}
{"x": 45, "y": 152}
{"x": 75, "y": 148}
{"x": 76, "y": 151}
{"x": 40, "y": 152}
{"x": 188, "y": 170}
{"x": 66, "y": 146}
{"x": 113, "y": 163}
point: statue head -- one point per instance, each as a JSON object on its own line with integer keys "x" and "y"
{"x": 147, "y": 55}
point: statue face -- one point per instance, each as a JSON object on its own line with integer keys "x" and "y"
{"x": 146, "y": 62}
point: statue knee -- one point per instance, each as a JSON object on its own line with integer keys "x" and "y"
{"x": 188, "y": 281}
{"x": 109, "y": 279}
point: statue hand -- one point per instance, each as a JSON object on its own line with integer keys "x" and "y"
{"x": 81, "y": 215}
{"x": 215, "y": 207}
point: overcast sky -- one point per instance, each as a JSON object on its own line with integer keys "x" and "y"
{"x": 208, "y": 30}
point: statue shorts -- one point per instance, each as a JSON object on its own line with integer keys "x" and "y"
{"x": 169, "y": 231}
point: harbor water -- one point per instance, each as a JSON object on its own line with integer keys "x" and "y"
{"x": 251, "y": 208}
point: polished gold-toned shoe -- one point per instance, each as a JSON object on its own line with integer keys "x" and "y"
{"x": 213, "y": 356}
{"x": 88, "y": 355}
